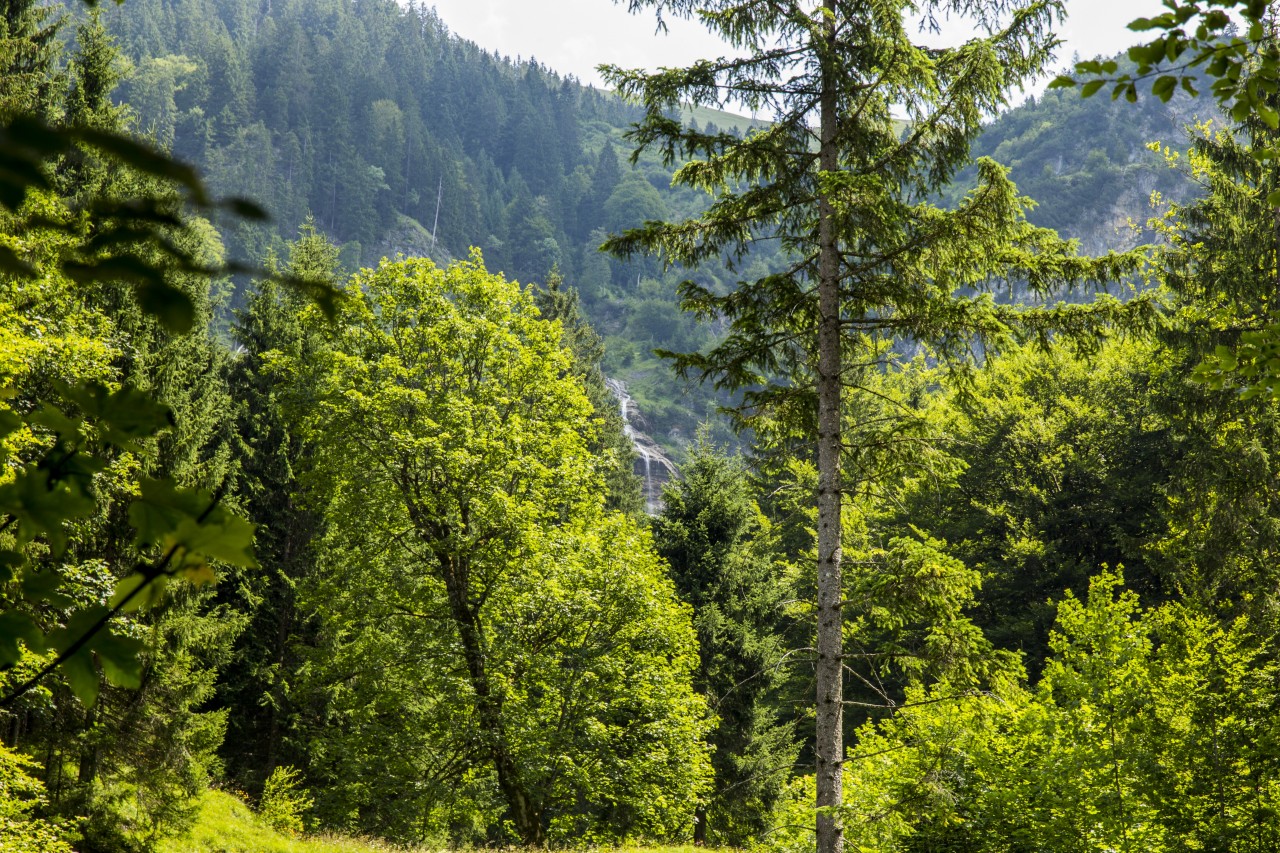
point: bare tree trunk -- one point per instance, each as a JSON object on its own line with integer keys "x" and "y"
{"x": 829, "y": 746}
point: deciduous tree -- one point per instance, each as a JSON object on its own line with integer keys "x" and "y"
{"x": 453, "y": 447}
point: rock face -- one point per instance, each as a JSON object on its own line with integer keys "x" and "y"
{"x": 651, "y": 463}
{"x": 409, "y": 238}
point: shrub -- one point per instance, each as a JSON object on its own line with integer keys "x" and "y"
{"x": 283, "y": 803}
{"x": 21, "y": 794}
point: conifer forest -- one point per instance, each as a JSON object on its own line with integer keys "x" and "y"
{"x": 845, "y": 444}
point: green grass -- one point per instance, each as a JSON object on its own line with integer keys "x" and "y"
{"x": 226, "y": 825}
{"x": 721, "y": 119}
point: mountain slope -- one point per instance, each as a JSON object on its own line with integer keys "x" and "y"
{"x": 398, "y": 137}
{"x": 1086, "y": 162}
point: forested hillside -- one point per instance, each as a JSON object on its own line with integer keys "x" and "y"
{"x": 356, "y": 114}
{"x": 1088, "y": 165}
{"x": 327, "y": 522}
{"x": 397, "y": 137}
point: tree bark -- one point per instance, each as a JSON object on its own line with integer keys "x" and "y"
{"x": 488, "y": 705}
{"x": 88, "y": 769}
{"x": 829, "y": 745}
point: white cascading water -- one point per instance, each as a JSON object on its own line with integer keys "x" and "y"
{"x": 652, "y": 464}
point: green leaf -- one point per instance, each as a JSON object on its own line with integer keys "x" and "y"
{"x": 1225, "y": 357}
{"x": 136, "y": 210}
{"x": 245, "y": 209}
{"x": 42, "y": 506}
{"x": 120, "y": 235}
{"x": 1090, "y": 88}
{"x": 125, "y": 268}
{"x": 226, "y": 538}
{"x": 166, "y": 515}
{"x": 151, "y": 595}
{"x": 17, "y": 176}
{"x": 10, "y": 562}
{"x": 42, "y": 587}
{"x": 9, "y": 422}
{"x": 120, "y": 659}
{"x": 9, "y": 260}
{"x": 1164, "y": 87}
{"x": 124, "y": 415}
{"x": 82, "y": 677}
{"x": 124, "y": 588}
{"x": 15, "y": 626}
{"x": 169, "y": 305}
{"x": 161, "y": 508}
{"x": 199, "y": 574}
{"x": 326, "y": 297}
{"x": 67, "y": 428}
{"x": 1145, "y": 54}
{"x": 82, "y": 624}
{"x": 28, "y": 134}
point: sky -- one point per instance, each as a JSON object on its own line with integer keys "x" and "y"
{"x": 574, "y": 36}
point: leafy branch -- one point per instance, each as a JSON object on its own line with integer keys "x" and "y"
{"x": 130, "y": 239}
{"x": 44, "y": 495}
{"x": 1244, "y": 70}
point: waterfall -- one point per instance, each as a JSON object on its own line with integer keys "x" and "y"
{"x": 619, "y": 390}
{"x": 652, "y": 463}
{"x": 650, "y": 506}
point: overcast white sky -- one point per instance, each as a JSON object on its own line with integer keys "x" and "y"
{"x": 574, "y": 36}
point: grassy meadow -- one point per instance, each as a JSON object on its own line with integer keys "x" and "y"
{"x": 227, "y": 825}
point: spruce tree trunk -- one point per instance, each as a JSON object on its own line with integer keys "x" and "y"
{"x": 829, "y": 746}
{"x": 274, "y": 733}
{"x": 88, "y": 769}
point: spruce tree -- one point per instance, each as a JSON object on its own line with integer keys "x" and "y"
{"x": 30, "y": 82}
{"x": 95, "y": 70}
{"x": 271, "y": 455}
{"x": 715, "y": 539}
{"x": 1221, "y": 266}
{"x": 840, "y": 180}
